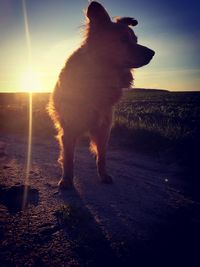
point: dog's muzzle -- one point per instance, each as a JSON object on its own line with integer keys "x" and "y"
{"x": 142, "y": 56}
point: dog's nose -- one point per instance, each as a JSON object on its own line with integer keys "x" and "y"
{"x": 152, "y": 53}
{"x": 149, "y": 53}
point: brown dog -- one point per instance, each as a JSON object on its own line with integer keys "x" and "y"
{"x": 91, "y": 83}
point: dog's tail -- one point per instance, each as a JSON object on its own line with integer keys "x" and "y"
{"x": 56, "y": 121}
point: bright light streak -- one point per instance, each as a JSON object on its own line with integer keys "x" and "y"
{"x": 29, "y": 56}
{"x": 29, "y": 150}
{"x": 27, "y": 33}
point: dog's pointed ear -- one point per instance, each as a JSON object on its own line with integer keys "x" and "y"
{"x": 97, "y": 14}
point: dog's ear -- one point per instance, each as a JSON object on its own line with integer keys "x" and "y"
{"x": 127, "y": 21}
{"x": 97, "y": 14}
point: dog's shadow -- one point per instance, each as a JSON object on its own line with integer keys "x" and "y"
{"x": 129, "y": 223}
{"x": 80, "y": 226}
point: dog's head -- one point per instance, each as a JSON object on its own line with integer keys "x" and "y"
{"x": 115, "y": 42}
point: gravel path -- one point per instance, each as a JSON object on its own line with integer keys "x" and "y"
{"x": 145, "y": 217}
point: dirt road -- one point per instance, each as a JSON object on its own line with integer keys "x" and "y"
{"x": 145, "y": 217}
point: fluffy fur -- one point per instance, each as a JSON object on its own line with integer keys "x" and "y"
{"x": 91, "y": 83}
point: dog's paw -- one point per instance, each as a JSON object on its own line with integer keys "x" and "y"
{"x": 65, "y": 184}
{"x": 106, "y": 179}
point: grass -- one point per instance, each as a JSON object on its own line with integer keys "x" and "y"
{"x": 144, "y": 119}
{"x": 158, "y": 120}
{"x": 172, "y": 115}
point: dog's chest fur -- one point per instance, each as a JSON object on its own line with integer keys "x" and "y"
{"x": 89, "y": 80}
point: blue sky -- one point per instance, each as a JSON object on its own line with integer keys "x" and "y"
{"x": 171, "y": 28}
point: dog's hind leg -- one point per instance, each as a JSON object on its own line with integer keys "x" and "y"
{"x": 98, "y": 145}
{"x": 68, "y": 141}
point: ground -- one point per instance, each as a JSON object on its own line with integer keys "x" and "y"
{"x": 146, "y": 217}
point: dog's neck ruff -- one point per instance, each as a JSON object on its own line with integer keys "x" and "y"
{"x": 82, "y": 73}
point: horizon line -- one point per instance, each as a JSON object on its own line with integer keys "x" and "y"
{"x": 125, "y": 89}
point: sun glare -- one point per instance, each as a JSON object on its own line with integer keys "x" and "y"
{"x": 31, "y": 82}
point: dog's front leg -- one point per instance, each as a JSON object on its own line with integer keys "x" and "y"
{"x": 99, "y": 141}
{"x": 68, "y": 143}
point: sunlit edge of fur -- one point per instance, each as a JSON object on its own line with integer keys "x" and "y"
{"x": 56, "y": 121}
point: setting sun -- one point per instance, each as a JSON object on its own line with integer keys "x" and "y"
{"x": 31, "y": 82}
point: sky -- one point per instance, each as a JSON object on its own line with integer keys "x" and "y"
{"x": 34, "y": 44}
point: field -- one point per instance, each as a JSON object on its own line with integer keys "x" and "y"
{"x": 173, "y": 116}
{"x": 150, "y": 120}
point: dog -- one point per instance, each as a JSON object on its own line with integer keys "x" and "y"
{"x": 91, "y": 83}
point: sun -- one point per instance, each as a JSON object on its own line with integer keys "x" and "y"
{"x": 31, "y": 82}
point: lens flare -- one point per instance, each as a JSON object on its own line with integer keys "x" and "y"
{"x": 29, "y": 149}
{"x": 27, "y": 33}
